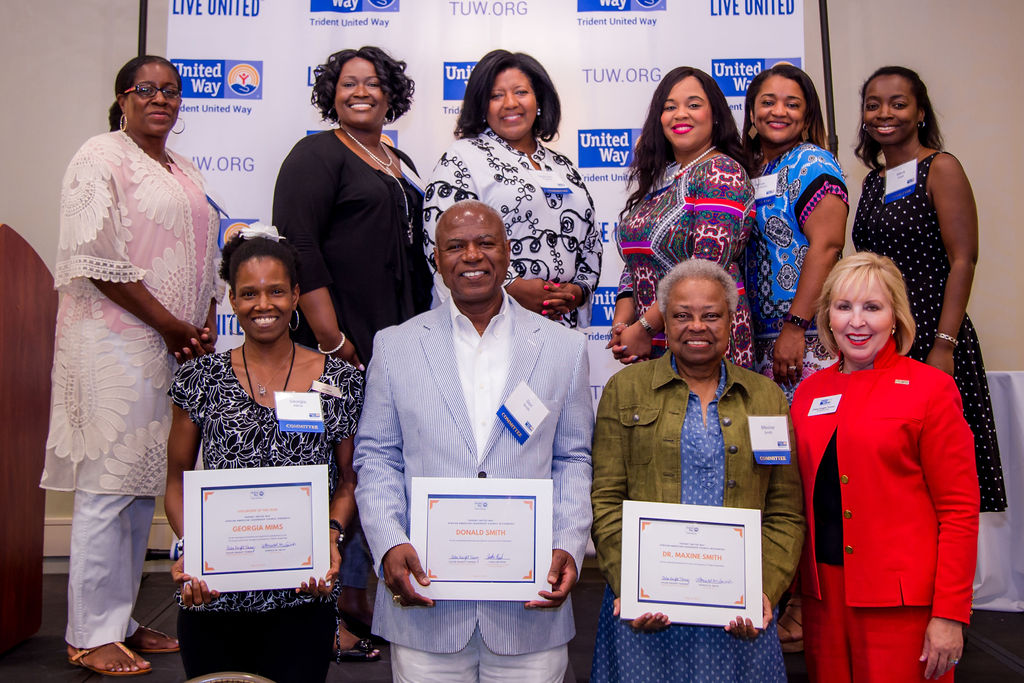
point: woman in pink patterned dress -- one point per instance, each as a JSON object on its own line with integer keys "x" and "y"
{"x": 137, "y": 279}
{"x": 691, "y": 198}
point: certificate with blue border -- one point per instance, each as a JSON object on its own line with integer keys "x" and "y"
{"x": 695, "y": 564}
{"x": 482, "y": 539}
{"x": 257, "y": 529}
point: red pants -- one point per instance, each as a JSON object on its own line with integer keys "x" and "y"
{"x": 861, "y": 644}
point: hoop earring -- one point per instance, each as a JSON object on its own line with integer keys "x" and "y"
{"x": 920, "y": 124}
{"x": 124, "y": 123}
{"x": 864, "y": 127}
{"x": 182, "y": 122}
{"x": 296, "y": 311}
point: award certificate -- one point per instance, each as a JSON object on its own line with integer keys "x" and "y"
{"x": 696, "y": 564}
{"x": 482, "y": 539}
{"x": 258, "y": 528}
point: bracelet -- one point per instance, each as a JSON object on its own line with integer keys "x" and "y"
{"x": 646, "y": 325}
{"x": 803, "y": 323}
{"x": 946, "y": 337}
{"x": 335, "y": 349}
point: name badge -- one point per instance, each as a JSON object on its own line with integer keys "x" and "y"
{"x": 825, "y": 405}
{"x": 769, "y": 438}
{"x": 552, "y": 183}
{"x": 522, "y": 413}
{"x": 326, "y": 389}
{"x": 764, "y": 188}
{"x": 900, "y": 181}
{"x": 299, "y": 411}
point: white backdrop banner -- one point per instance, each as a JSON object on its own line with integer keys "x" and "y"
{"x": 247, "y": 70}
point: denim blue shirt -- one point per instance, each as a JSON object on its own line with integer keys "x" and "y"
{"x": 702, "y": 450}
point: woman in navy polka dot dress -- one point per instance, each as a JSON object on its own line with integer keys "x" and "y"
{"x": 918, "y": 209}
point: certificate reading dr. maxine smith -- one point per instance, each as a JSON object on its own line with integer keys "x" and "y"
{"x": 257, "y": 529}
{"x": 696, "y": 564}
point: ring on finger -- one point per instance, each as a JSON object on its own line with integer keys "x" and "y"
{"x": 397, "y": 599}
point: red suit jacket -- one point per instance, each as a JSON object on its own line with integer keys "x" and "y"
{"x": 908, "y": 482}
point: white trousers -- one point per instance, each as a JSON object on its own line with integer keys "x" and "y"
{"x": 476, "y": 663}
{"x": 109, "y": 535}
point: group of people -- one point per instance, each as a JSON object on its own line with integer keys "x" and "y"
{"x": 453, "y": 292}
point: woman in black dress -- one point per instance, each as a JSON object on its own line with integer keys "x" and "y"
{"x": 352, "y": 207}
{"x": 918, "y": 209}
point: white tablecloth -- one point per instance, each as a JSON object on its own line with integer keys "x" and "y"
{"x": 999, "y": 582}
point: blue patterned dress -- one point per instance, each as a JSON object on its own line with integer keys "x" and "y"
{"x": 775, "y": 256}
{"x": 682, "y": 653}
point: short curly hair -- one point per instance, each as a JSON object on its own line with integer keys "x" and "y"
{"x": 396, "y": 85}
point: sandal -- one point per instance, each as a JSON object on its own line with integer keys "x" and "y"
{"x": 363, "y": 651}
{"x": 78, "y": 659}
{"x": 791, "y": 630}
{"x": 141, "y": 632}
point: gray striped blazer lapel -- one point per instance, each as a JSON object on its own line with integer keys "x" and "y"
{"x": 526, "y": 347}
{"x": 439, "y": 351}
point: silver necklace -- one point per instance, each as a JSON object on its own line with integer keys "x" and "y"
{"x": 387, "y": 169}
{"x": 387, "y": 166}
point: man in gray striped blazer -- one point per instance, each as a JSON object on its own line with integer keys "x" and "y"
{"x": 433, "y": 389}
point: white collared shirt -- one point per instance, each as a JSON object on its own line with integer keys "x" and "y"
{"x": 482, "y": 360}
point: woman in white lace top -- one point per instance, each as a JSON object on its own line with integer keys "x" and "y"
{"x": 137, "y": 281}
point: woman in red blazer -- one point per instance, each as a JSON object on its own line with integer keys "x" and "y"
{"x": 890, "y": 491}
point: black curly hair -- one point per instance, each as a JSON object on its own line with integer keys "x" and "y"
{"x": 928, "y": 134}
{"x": 653, "y": 152}
{"x": 126, "y": 78}
{"x": 397, "y": 87}
{"x": 473, "y": 117}
{"x": 238, "y": 250}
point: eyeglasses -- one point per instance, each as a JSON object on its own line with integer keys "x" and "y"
{"x": 147, "y": 91}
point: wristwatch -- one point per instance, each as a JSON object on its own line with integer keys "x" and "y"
{"x": 802, "y": 323}
{"x": 336, "y": 526}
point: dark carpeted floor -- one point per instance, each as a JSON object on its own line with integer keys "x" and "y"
{"x": 994, "y": 652}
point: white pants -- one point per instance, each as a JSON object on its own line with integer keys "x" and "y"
{"x": 109, "y": 535}
{"x": 476, "y": 662}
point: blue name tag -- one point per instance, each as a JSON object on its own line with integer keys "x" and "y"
{"x": 512, "y": 425}
{"x": 771, "y": 457}
{"x": 900, "y": 181}
{"x": 298, "y": 411}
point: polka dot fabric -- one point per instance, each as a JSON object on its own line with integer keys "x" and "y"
{"x": 907, "y": 231}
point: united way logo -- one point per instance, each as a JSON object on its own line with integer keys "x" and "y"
{"x": 456, "y": 75}
{"x": 229, "y": 227}
{"x": 602, "y": 311}
{"x": 353, "y": 5}
{"x": 607, "y": 147}
{"x": 243, "y": 79}
{"x": 734, "y": 75}
{"x": 220, "y": 78}
{"x": 620, "y": 5}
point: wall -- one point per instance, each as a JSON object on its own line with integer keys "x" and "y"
{"x": 60, "y": 57}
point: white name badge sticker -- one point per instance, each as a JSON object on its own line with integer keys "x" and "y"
{"x": 326, "y": 389}
{"x": 552, "y": 183}
{"x": 522, "y": 413}
{"x": 824, "y": 405}
{"x": 900, "y": 181}
{"x": 299, "y": 411}
{"x": 764, "y": 188}
{"x": 769, "y": 438}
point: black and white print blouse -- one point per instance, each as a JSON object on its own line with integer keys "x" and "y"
{"x": 238, "y": 432}
{"x": 552, "y": 236}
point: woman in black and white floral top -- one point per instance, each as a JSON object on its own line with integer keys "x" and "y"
{"x": 511, "y": 106}
{"x": 225, "y": 403}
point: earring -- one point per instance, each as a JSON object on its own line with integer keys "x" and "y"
{"x": 296, "y": 311}
{"x": 124, "y": 123}
{"x": 752, "y": 133}
{"x": 538, "y": 111}
{"x": 864, "y": 127}
{"x": 893, "y": 333}
{"x": 182, "y": 122}
{"x": 920, "y": 124}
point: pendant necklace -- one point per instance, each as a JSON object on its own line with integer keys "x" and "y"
{"x": 387, "y": 169}
{"x": 262, "y": 390}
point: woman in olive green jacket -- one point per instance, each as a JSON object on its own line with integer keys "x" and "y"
{"x": 674, "y": 430}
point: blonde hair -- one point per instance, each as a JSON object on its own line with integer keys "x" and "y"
{"x": 857, "y": 271}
